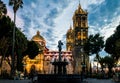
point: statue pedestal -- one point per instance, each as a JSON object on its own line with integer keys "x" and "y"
{"x": 60, "y": 72}
{"x": 60, "y": 67}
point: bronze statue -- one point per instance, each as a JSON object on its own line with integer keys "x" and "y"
{"x": 60, "y": 45}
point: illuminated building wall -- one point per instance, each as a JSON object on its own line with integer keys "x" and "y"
{"x": 42, "y": 62}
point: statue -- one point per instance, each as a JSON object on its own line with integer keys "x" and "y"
{"x": 60, "y": 66}
{"x": 60, "y": 45}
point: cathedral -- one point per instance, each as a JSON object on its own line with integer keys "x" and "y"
{"x": 76, "y": 37}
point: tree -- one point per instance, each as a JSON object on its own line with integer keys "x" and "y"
{"x": 94, "y": 45}
{"x": 3, "y": 50}
{"x": 20, "y": 47}
{"x": 102, "y": 61}
{"x": 110, "y": 62}
{"x": 5, "y": 37}
{"x": 6, "y": 26}
{"x": 3, "y": 9}
{"x": 32, "y": 49}
{"x": 112, "y": 45}
{"x": 6, "y": 31}
{"x": 16, "y": 4}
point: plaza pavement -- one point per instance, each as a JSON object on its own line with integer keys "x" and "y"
{"x": 90, "y": 80}
{"x": 15, "y": 81}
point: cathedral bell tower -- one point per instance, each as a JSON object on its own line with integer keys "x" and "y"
{"x": 80, "y": 35}
{"x": 69, "y": 39}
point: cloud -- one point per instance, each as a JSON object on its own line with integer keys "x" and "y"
{"x": 108, "y": 29}
{"x": 105, "y": 19}
{"x": 54, "y": 17}
{"x": 86, "y": 3}
{"x": 19, "y": 22}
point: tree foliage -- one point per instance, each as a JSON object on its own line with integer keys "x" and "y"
{"x": 110, "y": 63}
{"x": 3, "y": 9}
{"x": 94, "y": 44}
{"x": 32, "y": 49}
{"x": 6, "y": 30}
{"x": 112, "y": 45}
{"x": 16, "y": 4}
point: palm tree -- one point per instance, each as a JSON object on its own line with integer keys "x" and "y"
{"x": 3, "y": 9}
{"x": 16, "y": 5}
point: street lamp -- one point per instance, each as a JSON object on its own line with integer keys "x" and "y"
{"x": 83, "y": 67}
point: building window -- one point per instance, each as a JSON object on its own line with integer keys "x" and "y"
{"x": 83, "y": 24}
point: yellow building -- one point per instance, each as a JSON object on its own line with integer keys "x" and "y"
{"x": 37, "y": 62}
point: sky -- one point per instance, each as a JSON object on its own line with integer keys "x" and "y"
{"x": 54, "y": 17}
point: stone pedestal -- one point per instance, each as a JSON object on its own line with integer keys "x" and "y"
{"x": 60, "y": 67}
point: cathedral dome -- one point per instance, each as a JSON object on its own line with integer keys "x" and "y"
{"x": 40, "y": 41}
{"x": 38, "y": 37}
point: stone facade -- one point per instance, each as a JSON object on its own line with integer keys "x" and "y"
{"x": 76, "y": 38}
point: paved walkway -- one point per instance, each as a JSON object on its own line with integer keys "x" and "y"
{"x": 89, "y": 80}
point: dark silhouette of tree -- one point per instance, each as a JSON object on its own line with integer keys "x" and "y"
{"x": 112, "y": 45}
{"x": 3, "y": 9}
{"x": 32, "y": 49}
{"x": 6, "y": 30}
{"x": 94, "y": 45}
{"x": 20, "y": 47}
{"x": 102, "y": 61}
{"x": 109, "y": 61}
{"x": 5, "y": 37}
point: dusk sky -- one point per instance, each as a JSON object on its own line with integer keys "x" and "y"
{"x": 54, "y": 17}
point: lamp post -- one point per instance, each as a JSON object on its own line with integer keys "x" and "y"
{"x": 83, "y": 67}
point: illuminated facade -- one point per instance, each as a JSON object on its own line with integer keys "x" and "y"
{"x": 76, "y": 37}
{"x": 38, "y": 61}
{"x": 42, "y": 62}
{"x": 50, "y": 56}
